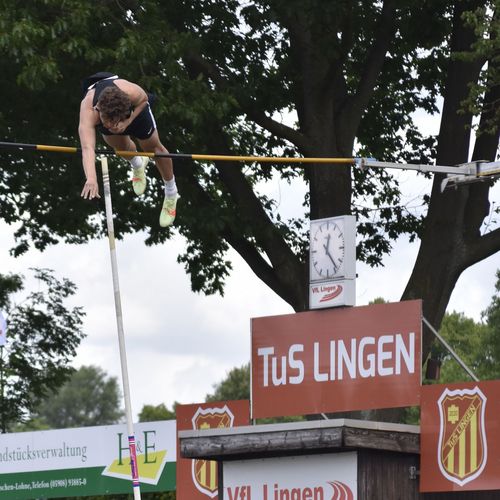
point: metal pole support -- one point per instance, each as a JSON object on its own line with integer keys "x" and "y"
{"x": 451, "y": 351}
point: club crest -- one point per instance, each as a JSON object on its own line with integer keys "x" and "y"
{"x": 462, "y": 448}
{"x": 204, "y": 472}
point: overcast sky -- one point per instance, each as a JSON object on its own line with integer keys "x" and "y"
{"x": 179, "y": 344}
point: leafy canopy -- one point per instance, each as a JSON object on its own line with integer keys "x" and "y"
{"x": 88, "y": 398}
{"x": 224, "y": 72}
{"x": 43, "y": 334}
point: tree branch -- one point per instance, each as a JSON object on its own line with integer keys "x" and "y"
{"x": 483, "y": 247}
{"x": 259, "y": 266}
{"x": 291, "y": 135}
{"x": 286, "y": 271}
{"x": 375, "y": 59}
{"x": 200, "y": 65}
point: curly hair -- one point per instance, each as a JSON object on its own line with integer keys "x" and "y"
{"x": 114, "y": 104}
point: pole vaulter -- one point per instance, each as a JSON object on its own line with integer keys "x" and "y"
{"x": 464, "y": 173}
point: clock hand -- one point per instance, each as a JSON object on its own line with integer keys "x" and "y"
{"x": 328, "y": 254}
{"x": 327, "y": 246}
{"x": 333, "y": 261}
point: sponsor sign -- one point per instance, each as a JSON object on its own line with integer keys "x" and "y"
{"x": 459, "y": 436}
{"x": 86, "y": 461}
{"x": 198, "y": 479}
{"x": 313, "y": 477}
{"x": 332, "y": 294}
{"x": 337, "y": 360}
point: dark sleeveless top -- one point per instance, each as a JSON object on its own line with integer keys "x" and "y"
{"x": 99, "y": 81}
{"x": 100, "y": 86}
{"x": 90, "y": 82}
{"x": 141, "y": 127}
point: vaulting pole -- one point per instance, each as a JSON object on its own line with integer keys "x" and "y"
{"x": 121, "y": 338}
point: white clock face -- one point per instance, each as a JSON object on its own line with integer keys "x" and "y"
{"x": 327, "y": 249}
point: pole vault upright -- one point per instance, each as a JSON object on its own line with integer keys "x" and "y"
{"x": 121, "y": 337}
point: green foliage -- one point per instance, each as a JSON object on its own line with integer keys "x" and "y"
{"x": 88, "y": 398}
{"x": 150, "y": 413}
{"x": 477, "y": 344}
{"x": 485, "y": 21}
{"x": 31, "y": 425}
{"x": 236, "y": 385}
{"x": 491, "y": 356}
{"x": 470, "y": 341}
{"x": 220, "y": 70}
{"x": 43, "y": 334}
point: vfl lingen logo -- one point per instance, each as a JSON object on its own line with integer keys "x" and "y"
{"x": 462, "y": 447}
{"x": 337, "y": 290}
{"x": 341, "y": 491}
{"x": 204, "y": 472}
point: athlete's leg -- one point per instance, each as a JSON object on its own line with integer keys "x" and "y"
{"x": 164, "y": 165}
{"x": 166, "y": 169}
{"x": 125, "y": 143}
{"x": 120, "y": 142}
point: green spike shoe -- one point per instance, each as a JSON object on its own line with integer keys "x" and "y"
{"x": 168, "y": 211}
{"x": 139, "y": 177}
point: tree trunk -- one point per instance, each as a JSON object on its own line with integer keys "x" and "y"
{"x": 443, "y": 253}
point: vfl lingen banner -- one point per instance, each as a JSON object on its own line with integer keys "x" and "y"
{"x": 336, "y": 360}
{"x": 86, "y": 461}
{"x": 460, "y": 436}
{"x": 307, "y": 477}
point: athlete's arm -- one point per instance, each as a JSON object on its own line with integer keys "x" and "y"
{"x": 138, "y": 97}
{"x": 86, "y": 131}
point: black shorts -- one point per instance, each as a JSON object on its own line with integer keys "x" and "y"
{"x": 142, "y": 127}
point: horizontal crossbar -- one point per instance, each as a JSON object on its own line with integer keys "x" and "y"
{"x": 472, "y": 170}
{"x": 179, "y": 156}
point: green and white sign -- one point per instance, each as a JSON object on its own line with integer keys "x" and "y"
{"x": 86, "y": 461}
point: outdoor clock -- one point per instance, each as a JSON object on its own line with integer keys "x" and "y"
{"x": 332, "y": 248}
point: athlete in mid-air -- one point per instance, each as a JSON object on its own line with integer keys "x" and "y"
{"x": 120, "y": 110}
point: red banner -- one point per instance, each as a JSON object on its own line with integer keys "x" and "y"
{"x": 337, "y": 360}
{"x": 460, "y": 436}
{"x": 197, "y": 479}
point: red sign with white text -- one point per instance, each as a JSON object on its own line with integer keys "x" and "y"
{"x": 336, "y": 360}
{"x": 460, "y": 433}
{"x": 197, "y": 479}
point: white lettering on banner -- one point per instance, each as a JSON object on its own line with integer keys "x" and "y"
{"x": 402, "y": 351}
{"x": 282, "y": 379}
{"x": 345, "y": 360}
{"x": 383, "y": 355}
{"x": 318, "y": 377}
{"x": 266, "y": 352}
{"x": 363, "y": 371}
{"x": 296, "y": 363}
{"x": 367, "y": 357}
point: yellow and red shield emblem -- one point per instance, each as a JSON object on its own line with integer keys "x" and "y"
{"x": 204, "y": 472}
{"x": 462, "y": 446}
